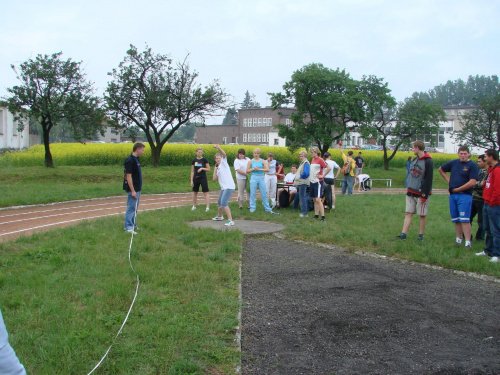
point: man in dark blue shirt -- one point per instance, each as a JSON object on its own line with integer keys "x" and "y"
{"x": 132, "y": 184}
{"x": 463, "y": 176}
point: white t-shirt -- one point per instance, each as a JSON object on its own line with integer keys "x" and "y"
{"x": 332, "y": 165}
{"x": 289, "y": 178}
{"x": 224, "y": 175}
{"x": 363, "y": 177}
{"x": 241, "y": 164}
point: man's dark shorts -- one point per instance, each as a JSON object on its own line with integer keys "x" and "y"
{"x": 200, "y": 182}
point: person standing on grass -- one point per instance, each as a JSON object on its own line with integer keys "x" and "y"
{"x": 9, "y": 363}
{"x": 477, "y": 198}
{"x": 329, "y": 181}
{"x": 271, "y": 179}
{"x": 301, "y": 181}
{"x": 318, "y": 165}
{"x": 360, "y": 163}
{"x": 222, "y": 172}
{"x": 240, "y": 166}
{"x": 199, "y": 168}
{"x": 292, "y": 190}
{"x": 133, "y": 185}
{"x": 418, "y": 190}
{"x": 491, "y": 209}
{"x": 348, "y": 182}
{"x": 257, "y": 167}
{"x": 463, "y": 176}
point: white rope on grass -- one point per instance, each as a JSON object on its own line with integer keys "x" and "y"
{"x": 135, "y": 295}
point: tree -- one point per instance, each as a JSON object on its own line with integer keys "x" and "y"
{"x": 249, "y": 102}
{"x": 399, "y": 125}
{"x": 185, "y": 133}
{"x": 481, "y": 126}
{"x": 459, "y": 92}
{"x": 329, "y": 103}
{"x": 231, "y": 117}
{"x": 53, "y": 90}
{"x": 150, "y": 92}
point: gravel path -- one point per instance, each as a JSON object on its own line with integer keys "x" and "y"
{"x": 318, "y": 311}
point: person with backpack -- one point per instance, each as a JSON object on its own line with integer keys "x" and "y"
{"x": 347, "y": 171}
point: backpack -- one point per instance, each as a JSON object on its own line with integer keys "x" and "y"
{"x": 346, "y": 169}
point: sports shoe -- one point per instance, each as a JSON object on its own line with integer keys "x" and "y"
{"x": 481, "y": 254}
{"x": 229, "y": 223}
{"x": 323, "y": 220}
{"x": 400, "y": 237}
{"x": 218, "y": 218}
{"x": 494, "y": 260}
{"x": 333, "y": 207}
{"x": 131, "y": 231}
{"x": 420, "y": 237}
{"x": 275, "y": 213}
{"x": 469, "y": 246}
{"x": 193, "y": 208}
{"x": 241, "y": 208}
{"x": 207, "y": 209}
{"x": 304, "y": 215}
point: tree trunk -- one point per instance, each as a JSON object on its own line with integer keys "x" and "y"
{"x": 49, "y": 163}
{"x": 386, "y": 161}
{"x": 155, "y": 155}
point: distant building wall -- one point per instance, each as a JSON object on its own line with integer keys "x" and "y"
{"x": 217, "y": 134}
{"x": 10, "y": 136}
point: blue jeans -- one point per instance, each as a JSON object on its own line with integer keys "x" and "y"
{"x": 130, "y": 213}
{"x": 9, "y": 363}
{"x": 303, "y": 199}
{"x": 347, "y": 184}
{"x": 258, "y": 182}
{"x": 491, "y": 226}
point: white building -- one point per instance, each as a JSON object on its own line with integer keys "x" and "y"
{"x": 10, "y": 137}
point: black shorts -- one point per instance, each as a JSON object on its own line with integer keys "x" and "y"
{"x": 197, "y": 182}
{"x": 329, "y": 181}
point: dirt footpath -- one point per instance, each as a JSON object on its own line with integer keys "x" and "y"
{"x": 320, "y": 311}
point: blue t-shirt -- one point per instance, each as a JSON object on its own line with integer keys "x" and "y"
{"x": 461, "y": 173}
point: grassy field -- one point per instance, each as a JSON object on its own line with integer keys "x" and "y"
{"x": 65, "y": 293}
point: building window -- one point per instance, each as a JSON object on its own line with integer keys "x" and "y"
{"x": 244, "y": 122}
{"x": 258, "y": 137}
{"x": 254, "y": 137}
{"x": 244, "y": 137}
{"x": 224, "y": 140}
{"x": 236, "y": 141}
{"x": 288, "y": 122}
{"x": 260, "y": 123}
{"x": 254, "y": 122}
{"x": 276, "y": 141}
{"x": 264, "y": 122}
{"x": 264, "y": 137}
{"x": 269, "y": 122}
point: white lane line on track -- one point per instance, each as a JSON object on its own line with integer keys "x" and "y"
{"x": 156, "y": 202}
{"x": 115, "y": 205}
{"x": 80, "y": 219}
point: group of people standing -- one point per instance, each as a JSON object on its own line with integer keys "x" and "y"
{"x": 474, "y": 190}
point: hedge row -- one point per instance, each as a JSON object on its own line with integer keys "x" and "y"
{"x": 77, "y": 154}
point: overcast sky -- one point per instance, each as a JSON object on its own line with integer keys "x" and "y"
{"x": 257, "y": 45}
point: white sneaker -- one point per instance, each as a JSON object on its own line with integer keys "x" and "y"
{"x": 229, "y": 223}
{"x": 207, "y": 209}
{"x": 304, "y": 215}
{"x": 333, "y": 207}
{"x": 494, "y": 260}
{"x": 131, "y": 231}
{"x": 193, "y": 208}
{"x": 481, "y": 254}
{"x": 218, "y": 218}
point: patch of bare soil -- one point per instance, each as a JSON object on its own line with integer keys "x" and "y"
{"x": 314, "y": 311}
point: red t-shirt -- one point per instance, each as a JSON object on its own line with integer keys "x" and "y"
{"x": 491, "y": 192}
